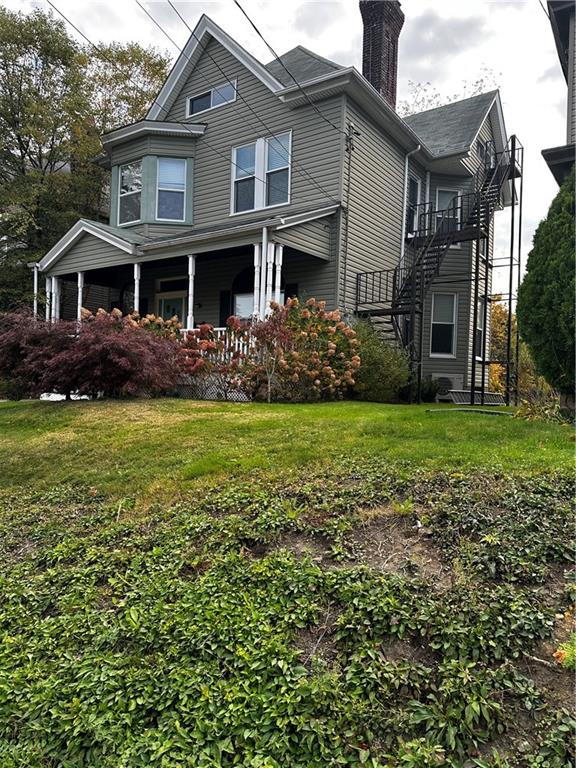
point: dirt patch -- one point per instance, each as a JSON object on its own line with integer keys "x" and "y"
{"x": 408, "y": 650}
{"x": 555, "y": 682}
{"x": 318, "y": 642}
{"x": 394, "y": 544}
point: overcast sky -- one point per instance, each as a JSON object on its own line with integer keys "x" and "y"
{"x": 445, "y": 42}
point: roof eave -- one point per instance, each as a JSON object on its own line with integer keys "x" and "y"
{"x": 154, "y": 127}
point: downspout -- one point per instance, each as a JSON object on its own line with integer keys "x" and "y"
{"x": 263, "y": 270}
{"x": 405, "y": 203}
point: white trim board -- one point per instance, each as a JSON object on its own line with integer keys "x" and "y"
{"x": 74, "y": 234}
{"x": 189, "y": 57}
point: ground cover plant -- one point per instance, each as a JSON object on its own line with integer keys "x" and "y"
{"x": 371, "y": 610}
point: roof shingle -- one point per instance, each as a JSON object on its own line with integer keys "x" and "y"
{"x": 451, "y": 129}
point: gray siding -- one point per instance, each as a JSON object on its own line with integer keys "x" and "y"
{"x": 164, "y": 146}
{"x": 373, "y": 184}
{"x": 318, "y": 238}
{"x": 316, "y": 146}
{"x": 90, "y": 253}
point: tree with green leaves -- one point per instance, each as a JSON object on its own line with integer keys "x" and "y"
{"x": 55, "y": 99}
{"x": 546, "y": 296}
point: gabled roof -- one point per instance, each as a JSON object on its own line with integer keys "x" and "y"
{"x": 123, "y": 239}
{"x": 452, "y": 129}
{"x": 303, "y": 65}
{"x": 185, "y": 63}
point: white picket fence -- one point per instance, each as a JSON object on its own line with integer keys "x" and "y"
{"x": 243, "y": 346}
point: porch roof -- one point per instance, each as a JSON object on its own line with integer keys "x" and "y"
{"x": 123, "y": 239}
{"x": 199, "y": 235}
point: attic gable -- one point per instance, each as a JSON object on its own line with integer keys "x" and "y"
{"x": 204, "y": 31}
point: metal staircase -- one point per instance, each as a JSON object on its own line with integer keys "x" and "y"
{"x": 392, "y": 294}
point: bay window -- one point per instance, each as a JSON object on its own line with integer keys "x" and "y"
{"x": 171, "y": 189}
{"x": 261, "y": 173}
{"x": 443, "y": 328}
{"x": 130, "y": 193}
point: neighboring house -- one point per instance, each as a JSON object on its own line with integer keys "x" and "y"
{"x": 247, "y": 183}
{"x": 562, "y": 13}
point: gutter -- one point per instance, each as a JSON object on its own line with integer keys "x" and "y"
{"x": 405, "y": 202}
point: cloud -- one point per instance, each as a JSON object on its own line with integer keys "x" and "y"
{"x": 430, "y": 42}
{"x": 313, "y": 18}
{"x": 554, "y": 72}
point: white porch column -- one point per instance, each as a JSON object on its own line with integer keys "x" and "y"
{"x": 257, "y": 253}
{"x": 191, "y": 276}
{"x": 48, "y": 298}
{"x": 55, "y": 303}
{"x": 278, "y": 271}
{"x": 269, "y": 277}
{"x": 35, "y": 305}
{"x": 79, "y": 301}
{"x": 263, "y": 267}
{"x": 137, "y": 287}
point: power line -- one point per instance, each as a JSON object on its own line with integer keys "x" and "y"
{"x": 279, "y": 60}
{"x": 304, "y": 173}
{"x": 160, "y": 106}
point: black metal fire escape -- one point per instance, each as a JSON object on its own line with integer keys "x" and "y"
{"x": 397, "y": 296}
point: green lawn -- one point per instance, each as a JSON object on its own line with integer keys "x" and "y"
{"x": 202, "y": 585}
{"x": 161, "y": 446}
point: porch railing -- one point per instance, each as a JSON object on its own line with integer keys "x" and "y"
{"x": 234, "y": 344}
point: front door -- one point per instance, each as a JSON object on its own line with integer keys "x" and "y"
{"x": 170, "y": 305}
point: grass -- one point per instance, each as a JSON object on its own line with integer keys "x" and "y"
{"x": 164, "y": 446}
{"x": 340, "y": 585}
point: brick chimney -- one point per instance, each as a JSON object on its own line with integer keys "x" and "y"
{"x": 383, "y": 22}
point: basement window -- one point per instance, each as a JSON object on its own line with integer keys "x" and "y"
{"x": 212, "y": 98}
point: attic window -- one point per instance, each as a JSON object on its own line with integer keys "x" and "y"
{"x": 215, "y": 97}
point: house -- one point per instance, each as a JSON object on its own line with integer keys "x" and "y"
{"x": 562, "y": 14}
{"x": 247, "y": 183}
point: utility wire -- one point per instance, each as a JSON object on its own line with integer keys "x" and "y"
{"x": 279, "y": 60}
{"x": 303, "y": 172}
{"x": 154, "y": 101}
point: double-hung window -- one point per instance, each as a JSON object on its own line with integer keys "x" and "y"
{"x": 130, "y": 193}
{"x": 215, "y": 97}
{"x": 480, "y": 329}
{"x": 261, "y": 173}
{"x": 443, "y": 330}
{"x": 171, "y": 189}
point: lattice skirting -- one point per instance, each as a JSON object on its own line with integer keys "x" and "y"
{"x": 211, "y": 387}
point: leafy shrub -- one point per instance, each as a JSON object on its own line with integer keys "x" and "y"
{"x": 303, "y": 353}
{"x": 216, "y": 364}
{"x": 108, "y": 355}
{"x": 385, "y": 367}
{"x": 26, "y": 345}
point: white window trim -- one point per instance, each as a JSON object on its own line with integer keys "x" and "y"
{"x": 447, "y": 356}
{"x": 166, "y": 189}
{"x": 456, "y": 193}
{"x": 127, "y": 194}
{"x": 211, "y": 92}
{"x": 480, "y": 318}
{"x": 260, "y": 174}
